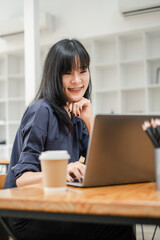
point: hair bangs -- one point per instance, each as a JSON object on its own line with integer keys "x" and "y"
{"x": 74, "y": 59}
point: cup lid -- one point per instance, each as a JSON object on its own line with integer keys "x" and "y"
{"x": 54, "y": 155}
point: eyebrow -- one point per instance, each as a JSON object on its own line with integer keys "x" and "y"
{"x": 82, "y": 67}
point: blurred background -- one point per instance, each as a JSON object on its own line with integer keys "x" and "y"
{"x": 121, "y": 36}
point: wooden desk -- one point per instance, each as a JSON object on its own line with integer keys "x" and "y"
{"x": 4, "y": 162}
{"x": 127, "y": 204}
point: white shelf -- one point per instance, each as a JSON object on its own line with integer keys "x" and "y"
{"x": 153, "y": 43}
{"x": 3, "y": 100}
{"x": 16, "y": 99}
{"x": 2, "y": 111}
{"x": 131, "y": 62}
{"x": 154, "y": 99}
{"x": 125, "y": 78}
{"x": 12, "y": 97}
{"x": 133, "y": 101}
{"x": 15, "y": 107}
{"x": 16, "y": 63}
{"x": 13, "y": 90}
{"x": 132, "y": 74}
{"x": 2, "y": 122}
{"x": 4, "y": 152}
{"x": 2, "y": 65}
{"x": 107, "y": 102}
{"x": 152, "y": 59}
{"x": 2, "y": 133}
{"x": 3, "y": 90}
{"x": 106, "y": 77}
{"x": 43, "y": 54}
{"x": 87, "y": 45}
{"x": 132, "y": 88}
{"x": 16, "y": 76}
{"x": 153, "y": 71}
{"x": 2, "y": 79}
{"x": 126, "y": 72}
{"x": 131, "y": 47}
{"x": 105, "y": 90}
{"x": 12, "y": 133}
{"x": 105, "y": 64}
{"x": 105, "y": 50}
{"x": 154, "y": 85}
{"x": 14, "y": 122}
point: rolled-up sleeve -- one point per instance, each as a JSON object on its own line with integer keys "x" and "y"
{"x": 33, "y": 139}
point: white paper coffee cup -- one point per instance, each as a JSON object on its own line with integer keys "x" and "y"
{"x": 54, "y": 169}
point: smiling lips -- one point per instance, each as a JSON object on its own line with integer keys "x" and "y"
{"x": 75, "y": 90}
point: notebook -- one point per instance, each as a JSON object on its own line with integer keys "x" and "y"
{"x": 119, "y": 152}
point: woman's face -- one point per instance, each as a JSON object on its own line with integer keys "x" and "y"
{"x": 75, "y": 84}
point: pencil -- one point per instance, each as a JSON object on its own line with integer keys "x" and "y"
{"x": 149, "y": 131}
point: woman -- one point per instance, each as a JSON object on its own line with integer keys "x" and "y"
{"x": 60, "y": 118}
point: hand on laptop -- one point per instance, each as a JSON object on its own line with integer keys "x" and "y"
{"x": 75, "y": 170}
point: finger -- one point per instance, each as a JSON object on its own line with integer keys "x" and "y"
{"x": 70, "y": 107}
{"x": 78, "y": 110}
{"x": 80, "y": 105}
{"x": 69, "y": 178}
{"x": 76, "y": 173}
{"x": 82, "y": 168}
{"x": 74, "y": 109}
{"x": 81, "y": 108}
{"x": 85, "y": 102}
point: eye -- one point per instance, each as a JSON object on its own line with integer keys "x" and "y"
{"x": 83, "y": 69}
{"x": 66, "y": 73}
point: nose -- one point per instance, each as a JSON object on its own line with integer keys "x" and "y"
{"x": 76, "y": 77}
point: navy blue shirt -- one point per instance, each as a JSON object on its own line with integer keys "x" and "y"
{"x": 40, "y": 130}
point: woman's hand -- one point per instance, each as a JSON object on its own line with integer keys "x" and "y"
{"x": 75, "y": 170}
{"x": 83, "y": 110}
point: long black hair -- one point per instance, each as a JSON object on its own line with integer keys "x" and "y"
{"x": 62, "y": 57}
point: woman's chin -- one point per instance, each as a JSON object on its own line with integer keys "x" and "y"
{"x": 75, "y": 99}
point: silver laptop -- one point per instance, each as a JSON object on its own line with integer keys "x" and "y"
{"x": 119, "y": 152}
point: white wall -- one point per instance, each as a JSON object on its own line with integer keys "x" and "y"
{"x": 85, "y": 18}
{"x": 80, "y": 18}
{"x": 10, "y": 8}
